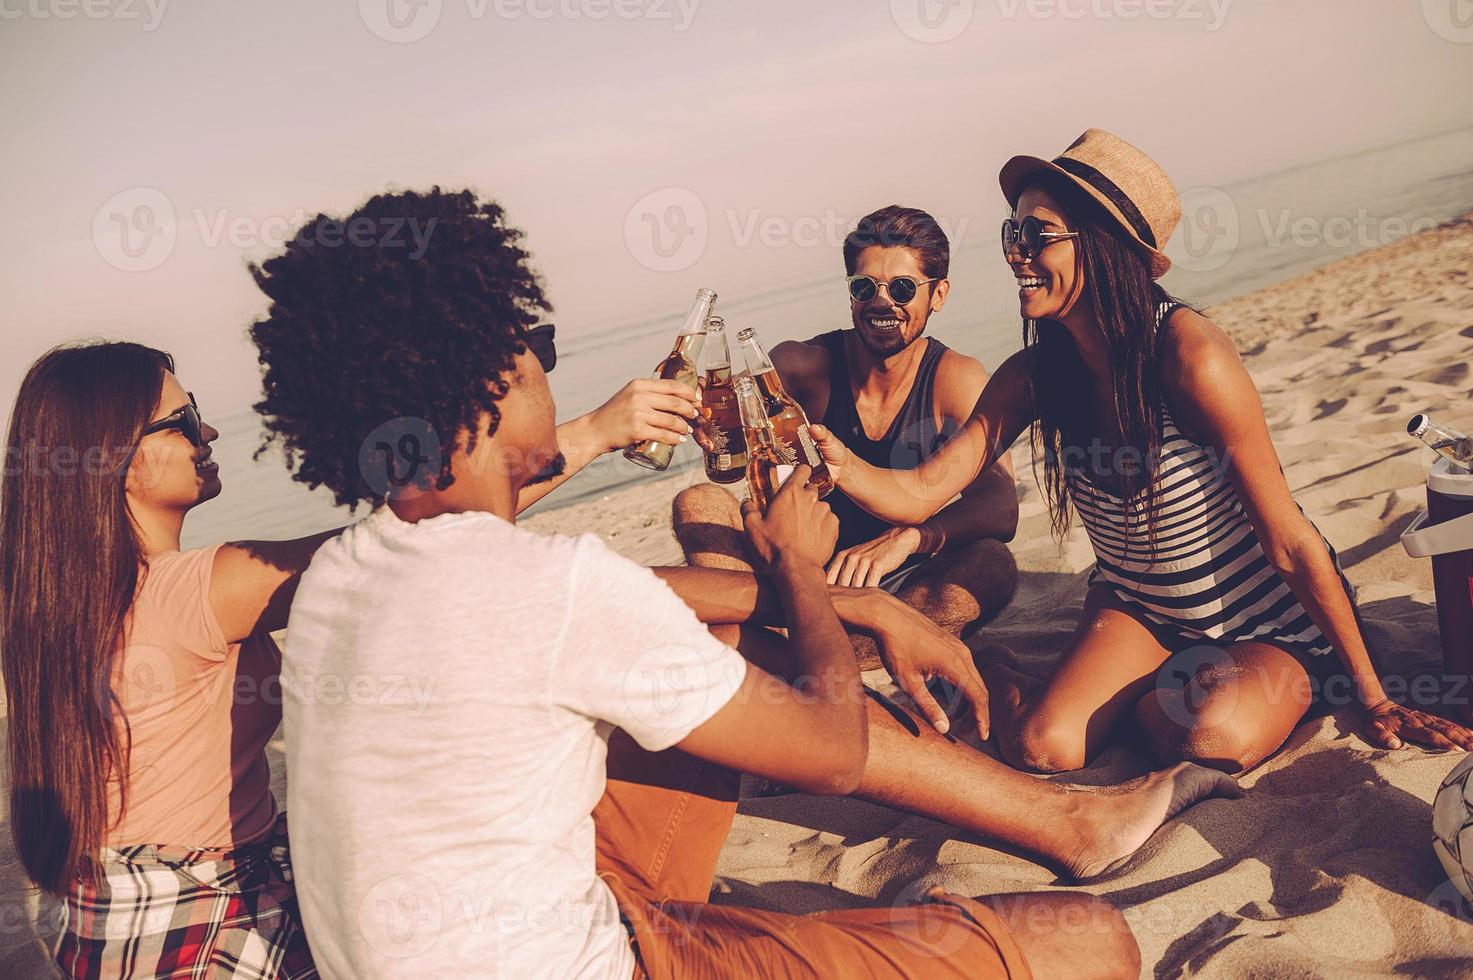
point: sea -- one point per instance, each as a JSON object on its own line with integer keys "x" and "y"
{"x": 1234, "y": 238}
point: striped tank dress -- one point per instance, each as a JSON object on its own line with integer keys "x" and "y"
{"x": 1206, "y": 576}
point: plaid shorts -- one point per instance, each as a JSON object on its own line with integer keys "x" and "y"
{"x": 172, "y": 912}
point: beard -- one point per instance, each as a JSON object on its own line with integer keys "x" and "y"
{"x": 886, "y": 347}
{"x": 554, "y": 469}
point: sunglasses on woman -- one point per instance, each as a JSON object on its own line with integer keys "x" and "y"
{"x": 902, "y": 289}
{"x": 539, "y": 341}
{"x": 186, "y": 420}
{"x": 1029, "y": 237}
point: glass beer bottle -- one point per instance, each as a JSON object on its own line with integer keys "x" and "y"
{"x": 721, "y": 420}
{"x": 682, "y": 365}
{"x": 789, "y": 422}
{"x": 1448, "y": 442}
{"x": 766, "y": 470}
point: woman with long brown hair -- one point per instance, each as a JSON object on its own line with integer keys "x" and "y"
{"x": 1217, "y": 615}
{"x": 141, "y": 680}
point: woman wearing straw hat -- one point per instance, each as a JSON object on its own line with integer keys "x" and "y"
{"x": 1217, "y": 615}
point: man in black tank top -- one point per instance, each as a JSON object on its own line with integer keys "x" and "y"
{"x": 893, "y": 396}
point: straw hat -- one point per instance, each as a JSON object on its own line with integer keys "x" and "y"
{"x": 1128, "y": 184}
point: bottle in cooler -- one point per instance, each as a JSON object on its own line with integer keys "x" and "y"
{"x": 721, "y": 420}
{"x": 1446, "y": 440}
{"x": 682, "y": 365}
{"x": 766, "y": 470}
{"x": 789, "y": 422}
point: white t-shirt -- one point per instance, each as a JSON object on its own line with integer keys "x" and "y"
{"x": 449, "y": 690}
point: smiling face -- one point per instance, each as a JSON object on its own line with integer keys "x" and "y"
{"x": 884, "y": 327}
{"x": 168, "y": 472}
{"x": 1051, "y": 281}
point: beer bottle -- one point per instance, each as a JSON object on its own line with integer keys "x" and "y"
{"x": 1446, "y": 440}
{"x": 765, "y": 470}
{"x": 789, "y": 422}
{"x": 682, "y": 365}
{"x": 721, "y": 420}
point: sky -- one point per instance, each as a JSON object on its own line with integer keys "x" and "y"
{"x": 648, "y": 147}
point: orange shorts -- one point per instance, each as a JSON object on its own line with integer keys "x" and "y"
{"x": 661, "y": 825}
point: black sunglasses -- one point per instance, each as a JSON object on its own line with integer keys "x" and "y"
{"x": 540, "y": 342}
{"x": 902, "y": 289}
{"x": 186, "y": 420}
{"x": 1029, "y": 237}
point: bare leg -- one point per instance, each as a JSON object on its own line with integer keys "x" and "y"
{"x": 1069, "y": 935}
{"x": 708, "y": 524}
{"x": 1085, "y": 832}
{"x": 1111, "y": 662}
{"x": 1239, "y": 707}
{"x": 957, "y": 590}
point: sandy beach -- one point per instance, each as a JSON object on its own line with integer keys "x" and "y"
{"x": 1325, "y": 868}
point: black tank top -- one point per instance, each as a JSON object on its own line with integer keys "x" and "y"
{"x": 912, "y": 437}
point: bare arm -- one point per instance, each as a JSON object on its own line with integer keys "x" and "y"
{"x": 823, "y": 710}
{"x": 643, "y": 409}
{"x": 1210, "y": 391}
{"x": 252, "y": 583}
{"x": 913, "y": 496}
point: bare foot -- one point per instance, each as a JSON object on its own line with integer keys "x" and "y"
{"x": 1114, "y": 823}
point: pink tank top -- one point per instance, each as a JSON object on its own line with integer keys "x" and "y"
{"x": 200, "y": 711}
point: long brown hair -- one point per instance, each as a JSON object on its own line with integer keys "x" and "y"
{"x": 69, "y": 568}
{"x": 1119, "y": 289}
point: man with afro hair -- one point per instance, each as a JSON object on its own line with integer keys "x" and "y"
{"x": 519, "y": 755}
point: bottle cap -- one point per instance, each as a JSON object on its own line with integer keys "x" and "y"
{"x": 1418, "y": 425}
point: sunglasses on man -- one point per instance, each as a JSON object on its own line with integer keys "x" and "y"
{"x": 902, "y": 289}
{"x": 186, "y": 420}
{"x": 540, "y": 341}
{"x": 1029, "y": 237}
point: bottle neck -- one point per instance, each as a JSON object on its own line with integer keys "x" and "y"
{"x": 719, "y": 357}
{"x": 695, "y": 320}
{"x": 757, "y": 360}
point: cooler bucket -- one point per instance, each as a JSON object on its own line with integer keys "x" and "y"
{"x": 1445, "y": 534}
